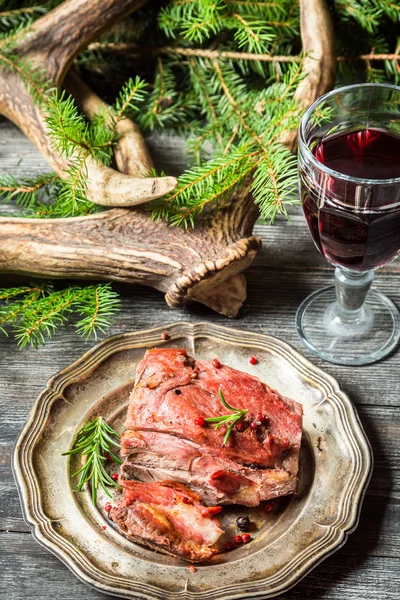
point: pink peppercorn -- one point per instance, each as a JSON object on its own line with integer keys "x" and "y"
{"x": 253, "y": 360}
{"x": 268, "y": 506}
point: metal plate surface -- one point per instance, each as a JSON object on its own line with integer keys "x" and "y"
{"x": 301, "y": 530}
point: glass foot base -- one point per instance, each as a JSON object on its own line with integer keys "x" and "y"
{"x": 372, "y": 336}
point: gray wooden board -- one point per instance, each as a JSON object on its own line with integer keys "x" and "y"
{"x": 35, "y": 574}
{"x": 288, "y": 268}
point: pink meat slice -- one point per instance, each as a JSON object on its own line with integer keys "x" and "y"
{"x": 169, "y": 517}
{"x": 152, "y": 456}
{"x": 163, "y": 441}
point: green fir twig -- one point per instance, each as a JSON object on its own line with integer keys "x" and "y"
{"x": 35, "y": 312}
{"x": 25, "y": 192}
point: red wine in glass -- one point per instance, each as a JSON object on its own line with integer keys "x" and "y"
{"x": 349, "y": 171}
{"x": 349, "y": 228}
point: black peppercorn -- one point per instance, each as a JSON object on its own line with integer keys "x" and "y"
{"x": 243, "y": 523}
{"x": 178, "y": 392}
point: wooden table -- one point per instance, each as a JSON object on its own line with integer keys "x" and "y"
{"x": 289, "y": 268}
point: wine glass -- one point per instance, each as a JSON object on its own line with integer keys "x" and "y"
{"x": 349, "y": 169}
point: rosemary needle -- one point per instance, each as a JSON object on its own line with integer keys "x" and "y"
{"x": 229, "y": 419}
{"x": 94, "y": 441}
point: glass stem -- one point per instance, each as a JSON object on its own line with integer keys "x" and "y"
{"x": 351, "y": 290}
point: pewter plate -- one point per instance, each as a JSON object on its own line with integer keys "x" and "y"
{"x": 335, "y": 466}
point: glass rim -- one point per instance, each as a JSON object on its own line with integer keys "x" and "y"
{"x": 310, "y": 156}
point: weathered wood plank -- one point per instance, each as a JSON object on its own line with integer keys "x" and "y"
{"x": 17, "y": 155}
{"x": 343, "y": 576}
{"x": 273, "y": 298}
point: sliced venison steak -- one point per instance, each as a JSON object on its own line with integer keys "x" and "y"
{"x": 162, "y": 440}
{"x": 169, "y": 517}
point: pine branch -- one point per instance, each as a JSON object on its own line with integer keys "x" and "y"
{"x": 390, "y": 9}
{"x": 11, "y": 312}
{"x": 134, "y": 50}
{"x": 276, "y": 9}
{"x": 25, "y": 192}
{"x": 97, "y": 309}
{"x": 200, "y": 88}
{"x": 33, "y": 79}
{"x": 165, "y": 107}
{"x": 131, "y": 96}
{"x": 251, "y": 33}
{"x": 187, "y": 216}
{"x": 275, "y": 182}
{"x": 257, "y": 120}
{"x": 36, "y": 312}
{"x": 254, "y": 24}
{"x": 362, "y": 11}
{"x": 72, "y": 199}
{"x": 62, "y": 198}
{"x": 71, "y": 133}
{"x": 124, "y": 47}
{"x": 202, "y": 185}
{"x": 233, "y": 103}
{"x": 17, "y": 17}
{"x": 72, "y": 136}
{"x": 7, "y": 293}
{"x": 49, "y": 313}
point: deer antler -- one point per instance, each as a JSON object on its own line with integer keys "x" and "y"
{"x": 51, "y": 44}
{"x": 131, "y": 154}
{"x": 319, "y": 65}
{"x": 125, "y": 245}
{"x": 203, "y": 264}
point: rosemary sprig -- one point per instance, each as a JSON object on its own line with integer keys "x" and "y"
{"x": 231, "y": 419}
{"x": 94, "y": 441}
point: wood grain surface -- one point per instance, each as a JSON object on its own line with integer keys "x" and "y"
{"x": 288, "y": 268}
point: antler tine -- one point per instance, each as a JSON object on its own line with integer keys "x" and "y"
{"x": 131, "y": 154}
{"x": 56, "y": 39}
{"x": 319, "y": 47}
{"x": 201, "y": 264}
{"x": 51, "y": 44}
{"x": 319, "y": 64}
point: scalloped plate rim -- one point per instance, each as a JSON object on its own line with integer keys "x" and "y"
{"x": 342, "y": 533}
